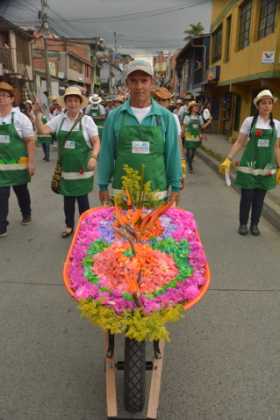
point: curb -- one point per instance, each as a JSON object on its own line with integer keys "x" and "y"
{"x": 271, "y": 211}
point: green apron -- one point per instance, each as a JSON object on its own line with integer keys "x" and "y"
{"x": 74, "y": 154}
{"x": 95, "y": 114}
{"x": 137, "y": 146}
{"x": 192, "y": 133}
{"x": 44, "y": 138}
{"x": 13, "y": 157}
{"x": 258, "y": 164}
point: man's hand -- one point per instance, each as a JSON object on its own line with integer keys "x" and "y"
{"x": 104, "y": 198}
{"x": 31, "y": 168}
{"x": 92, "y": 164}
{"x": 174, "y": 196}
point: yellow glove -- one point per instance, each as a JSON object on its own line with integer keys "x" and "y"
{"x": 184, "y": 167}
{"x": 278, "y": 176}
{"x": 225, "y": 166}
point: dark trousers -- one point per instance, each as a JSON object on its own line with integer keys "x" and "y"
{"x": 251, "y": 200}
{"x": 190, "y": 154}
{"x": 46, "y": 150}
{"x": 23, "y": 198}
{"x": 69, "y": 208}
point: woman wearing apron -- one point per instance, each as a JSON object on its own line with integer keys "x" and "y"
{"x": 192, "y": 126}
{"x": 259, "y": 170}
{"x": 78, "y": 148}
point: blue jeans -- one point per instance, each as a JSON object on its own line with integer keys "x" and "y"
{"x": 24, "y": 202}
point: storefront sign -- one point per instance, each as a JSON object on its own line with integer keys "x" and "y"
{"x": 268, "y": 57}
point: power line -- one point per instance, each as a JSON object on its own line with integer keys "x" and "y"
{"x": 136, "y": 15}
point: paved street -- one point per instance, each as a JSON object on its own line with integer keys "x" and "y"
{"x": 223, "y": 361}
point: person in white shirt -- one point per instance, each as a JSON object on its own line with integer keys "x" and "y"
{"x": 78, "y": 148}
{"x": 259, "y": 168}
{"x": 17, "y": 161}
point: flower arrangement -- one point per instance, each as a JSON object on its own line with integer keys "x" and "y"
{"x": 132, "y": 270}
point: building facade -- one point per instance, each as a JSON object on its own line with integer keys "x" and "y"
{"x": 15, "y": 59}
{"x": 244, "y": 58}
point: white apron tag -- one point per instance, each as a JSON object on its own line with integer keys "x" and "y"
{"x": 195, "y": 126}
{"x": 69, "y": 144}
{"x": 4, "y": 139}
{"x": 141, "y": 147}
{"x": 263, "y": 142}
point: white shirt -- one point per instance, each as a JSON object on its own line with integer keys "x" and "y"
{"x": 141, "y": 113}
{"x": 179, "y": 129}
{"x": 183, "y": 110}
{"x": 188, "y": 118}
{"x": 22, "y": 123}
{"x": 98, "y": 107}
{"x": 89, "y": 127}
{"x": 260, "y": 123}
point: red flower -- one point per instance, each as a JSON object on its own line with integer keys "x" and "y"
{"x": 258, "y": 133}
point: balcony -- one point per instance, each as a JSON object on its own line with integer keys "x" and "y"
{"x": 6, "y": 58}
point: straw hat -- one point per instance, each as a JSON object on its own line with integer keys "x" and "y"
{"x": 163, "y": 93}
{"x": 7, "y": 88}
{"x": 192, "y": 104}
{"x": 264, "y": 94}
{"x": 95, "y": 99}
{"x": 72, "y": 90}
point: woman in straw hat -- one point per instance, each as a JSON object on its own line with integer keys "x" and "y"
{"x": 193, "y": 125}
{"x": 17, "y": 160}
{"x": 97, "y": 112}
{"x": 78, "y": 146}
{"x": 259, "y": 170}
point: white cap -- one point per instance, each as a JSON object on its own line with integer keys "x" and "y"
{"x": 264, "y": 93}
{"x": 139, "y": 65}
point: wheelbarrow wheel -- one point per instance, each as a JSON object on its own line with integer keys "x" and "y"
{"x": 134, "y": 375}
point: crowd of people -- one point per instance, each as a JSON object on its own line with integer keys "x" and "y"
{"x": 147, "y": 125}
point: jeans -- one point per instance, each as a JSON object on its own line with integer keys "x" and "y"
{"x": 46, "y": 150}
{"x": 251, "y": 200}
{"x": 24, "y": 202}
{"x": 190, "y": 154}
{"x": 69, "y": 208}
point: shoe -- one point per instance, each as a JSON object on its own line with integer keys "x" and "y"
{"x": 3, "y": 234}
{"x": 255, "y": 230}
{"x": 67, "y": 232}
{"x": 26, "y": 220}
{"x": 243, "y": 230}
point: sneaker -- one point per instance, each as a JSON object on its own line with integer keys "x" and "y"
{"x": 255, "y": 230}
{"x": 243, "y": 230}
{"x": 26, "y": 220}
{"x": 3, "y": 234}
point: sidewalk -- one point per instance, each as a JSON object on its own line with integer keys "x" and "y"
{"x": 215, "y": 149}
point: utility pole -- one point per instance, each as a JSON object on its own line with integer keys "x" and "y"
{"x": 43, "y": 15}
{"x": 115, "y": 42}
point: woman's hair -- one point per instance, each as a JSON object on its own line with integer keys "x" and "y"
{"x": 254, "y": 120}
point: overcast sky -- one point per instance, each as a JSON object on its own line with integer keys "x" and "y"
{"x": 160, "y": 29}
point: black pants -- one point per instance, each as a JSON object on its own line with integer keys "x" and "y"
{"x": 251, "y": 200}
{"x": 69, "y": 208}
{"x": 190, "y": 154}
{"x": 23, "y": 198}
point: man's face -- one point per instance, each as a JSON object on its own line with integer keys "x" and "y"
{"x": 140, "y": 85}
{"x": 6, "y": 99}
{"x": 73, "y": 103}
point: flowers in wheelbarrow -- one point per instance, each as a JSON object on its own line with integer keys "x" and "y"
{"x": 135, "y": 269}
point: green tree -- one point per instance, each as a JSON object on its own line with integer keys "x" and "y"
{"x": 193, "y": 30}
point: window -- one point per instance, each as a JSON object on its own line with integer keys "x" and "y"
{"x": 228, "y": 32}
{"x": 75, "y": 65}
{"x": 217, "y": 44}
{"x": 267, "y": 17}
{"x": 244, "y": 24}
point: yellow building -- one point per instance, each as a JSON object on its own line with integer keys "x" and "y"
{"x": 244, "y": 59}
